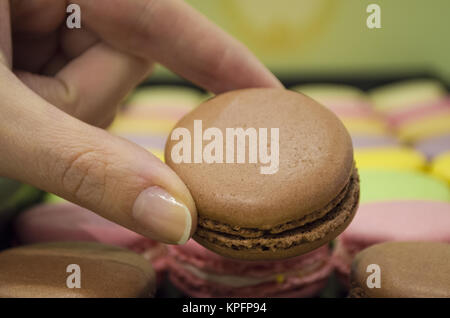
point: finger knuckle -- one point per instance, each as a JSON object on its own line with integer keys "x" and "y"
{"x": 84, "y": 177}
{"x": 217, "y": 65}
{"x": 141, "y": 28}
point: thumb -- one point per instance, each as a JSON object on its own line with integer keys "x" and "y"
{"x": 117, "y": 179}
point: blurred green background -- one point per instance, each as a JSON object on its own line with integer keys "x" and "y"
{"x": 316, "y": 39}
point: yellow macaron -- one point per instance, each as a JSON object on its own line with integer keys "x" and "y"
{"x": 125, "y": 125}
{"x": 365, "y": 126}
{"x": 440, "y": 166}
{"x": 404, "y": 94}
{"x": 397, "y": 157}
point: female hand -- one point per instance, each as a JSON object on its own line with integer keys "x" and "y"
{"x": 60, "y": 86}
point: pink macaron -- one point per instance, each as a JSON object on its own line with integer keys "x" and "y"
{"x": 368, "y": 141}
{"x": 358, "y": 109}
{"x": 66, "y": 221}
{"x": 379, "y": 222}
{"x": 420, "y": 111}
{"x": 198, "y": 272}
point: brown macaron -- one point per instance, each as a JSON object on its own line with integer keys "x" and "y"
{"x": 305, "y": 197}
{"x": 47, "y": 271}
{"x": 405, "y": 270}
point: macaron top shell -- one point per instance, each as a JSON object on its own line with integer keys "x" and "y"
{"x": 401, "y": 158}
{"x": 41, "y": 270}
{"x": 370, "y": 141}
{"x": 390, "y": 184}
{"x": 164, "y": 95}
{"x": 408, "y": 269}
{"x": 66, "y": 221}
{"x": 407, "y": 220}
{"x": 441, "y": 167}
{"x": 434, "y": 146}
{"x": 401, "y": 95}
{"x": 315, "y": 159}
{"x": 330, "y": 91}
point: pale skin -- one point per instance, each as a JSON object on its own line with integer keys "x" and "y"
{"x": 59, "y": 88}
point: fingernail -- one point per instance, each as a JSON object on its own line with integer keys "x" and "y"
{"x": 165, "y": 218}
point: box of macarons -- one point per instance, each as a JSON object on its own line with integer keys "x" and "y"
{"x": 244, "y": 150}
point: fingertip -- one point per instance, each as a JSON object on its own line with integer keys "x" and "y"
{"x": 162, "y": 216}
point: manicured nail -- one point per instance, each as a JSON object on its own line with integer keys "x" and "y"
{"x": 165, "y": 218}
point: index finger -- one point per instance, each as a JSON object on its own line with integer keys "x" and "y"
{"x": 177, "y": 36}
